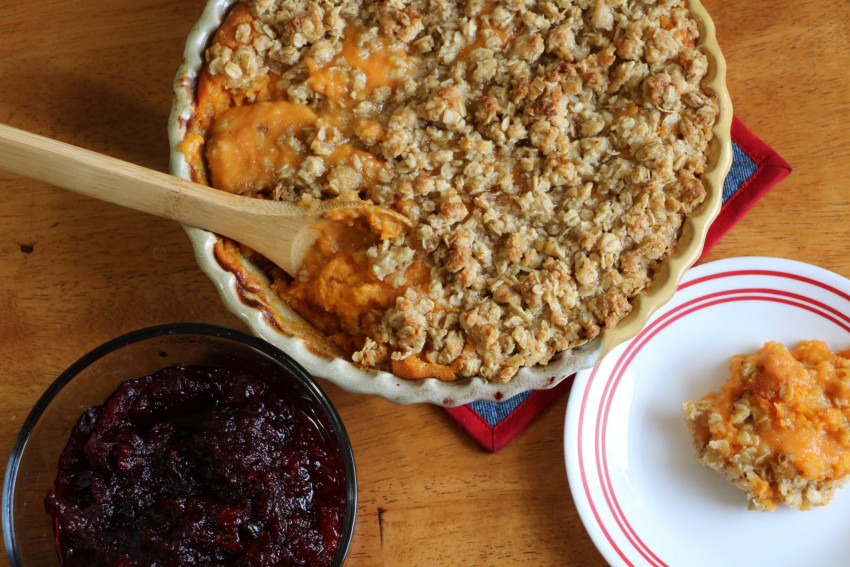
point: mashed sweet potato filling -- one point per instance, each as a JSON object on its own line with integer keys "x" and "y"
{"x": 249, "y": 145}
{"x": 337, "y": 292}
{"x": 382, "y": 67}
{"x": 244, "y": 152}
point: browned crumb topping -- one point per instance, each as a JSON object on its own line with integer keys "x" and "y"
{"x": 548, "y": 152}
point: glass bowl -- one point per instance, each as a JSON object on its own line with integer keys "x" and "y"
{"x": 27, "y": 528}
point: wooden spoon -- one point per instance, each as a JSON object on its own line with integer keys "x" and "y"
{"x": 281, "y": 232}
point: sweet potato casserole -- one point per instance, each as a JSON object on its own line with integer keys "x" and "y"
{"x": 547, "y": 152}
{"x": 779, "y": 427}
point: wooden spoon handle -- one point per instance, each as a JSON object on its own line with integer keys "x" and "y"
{"x": 269, "y": 227}
{"x": 116, "y": 181}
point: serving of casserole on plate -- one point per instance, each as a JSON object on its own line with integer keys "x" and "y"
{"x": 560, "y": 163}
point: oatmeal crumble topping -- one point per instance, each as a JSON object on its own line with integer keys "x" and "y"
{"x": 548, "y": 152}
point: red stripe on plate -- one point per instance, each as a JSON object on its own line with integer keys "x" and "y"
{"x": 584, "y": 483}
{"x": 773, "y": 273}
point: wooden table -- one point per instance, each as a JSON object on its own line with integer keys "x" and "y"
{"x": 75, "y": 272}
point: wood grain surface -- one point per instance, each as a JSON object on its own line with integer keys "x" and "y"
{"x": 75, "y": 272}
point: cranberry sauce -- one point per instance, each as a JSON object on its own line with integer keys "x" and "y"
{"x": 198, "y": 466}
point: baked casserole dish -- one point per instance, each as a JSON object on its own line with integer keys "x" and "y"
{"x": 559, "y": 161}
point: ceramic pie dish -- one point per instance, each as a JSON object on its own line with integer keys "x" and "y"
{"x": 245, "y": 288}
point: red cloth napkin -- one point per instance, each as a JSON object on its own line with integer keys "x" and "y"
{"x": 755, "y": 169}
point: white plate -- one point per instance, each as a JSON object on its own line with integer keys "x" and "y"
{"x": 642, "y": 496}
